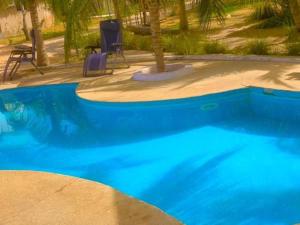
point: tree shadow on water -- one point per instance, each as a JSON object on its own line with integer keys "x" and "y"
{"x": 196, "y": 193}
{"x": 187, "y": 181}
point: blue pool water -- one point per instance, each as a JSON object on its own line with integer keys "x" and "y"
{"x": 229, "y": 158}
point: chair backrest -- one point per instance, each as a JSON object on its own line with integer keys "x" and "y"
{"x": 110, "y": 34}
{"x": 33, "y": 42}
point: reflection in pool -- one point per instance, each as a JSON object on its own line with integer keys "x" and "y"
{"x": 228, "y": 158}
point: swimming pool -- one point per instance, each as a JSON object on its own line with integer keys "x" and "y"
{"x": 228, "y": 158}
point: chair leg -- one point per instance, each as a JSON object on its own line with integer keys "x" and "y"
{"x": 84, "y": 72}
{"x": 122, "y": 60}
{"x": 114, "y": 62}
{"x": 14, "y": 69}
{"x": 6, "y": 70}
{"x": 35, "y": 66}
{"x": 125, "y": 61}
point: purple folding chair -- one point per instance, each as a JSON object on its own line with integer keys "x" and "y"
{"x": 21, "y": 54}
{"x": 95, "y": 62}
{"x": 111, "y": 45}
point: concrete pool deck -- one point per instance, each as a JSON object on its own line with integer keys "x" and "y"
{"x": 40, "y": 198}
{"x": 208, "y": 77}
{"x": 34, "y": 198}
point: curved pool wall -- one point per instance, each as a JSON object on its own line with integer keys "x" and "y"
{"x": 227, "y": 158}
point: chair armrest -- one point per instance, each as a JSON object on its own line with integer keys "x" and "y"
{"x": 93, "y": 48}
{"x": 116, "y": 47}
{"x": 117, "y": 44}
{"x": 20, "y": 52}
{"x": 23, "y": 47}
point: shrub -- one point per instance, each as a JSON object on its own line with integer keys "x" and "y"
{"x": 52, "y": 34}
{"x": 173, "y": 11}
{"x": 264, "y": 11}
{"x": 91, "y": 39}
{"x": 257, "y": 47}
{"x": 182, "y": 44}
{"x": 144, "y": 43}
{"x": 293, "y": 35}
{"x": 214, "y": 47}
{"x": 272, "y": 22}
{"x": 137, "y": 42}
{"x": 128, "y": 39}
{"x": 272, "y": 15}
{"x": 293, "y": 49}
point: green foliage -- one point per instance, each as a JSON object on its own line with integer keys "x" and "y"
{"x": 272, "y": 13}
{"x": 231, "y": 6}
{"x": 293, "y": 35}
{"x": 52, "y": 34}
{"x": 76, "y": 15}
{"x": 182, "y": 44}
{"x": 90, "y": 39}
{"x": 264, "y": 11}
{"x": 14, "y": 40}
{"x": 272, "y": 22}
{"x": 137, "y": 42}
{"x": 173, "y": 11}
{"x": 209, "y": 9}
{"x": 257, "y": 47}
{"x": 293, "y": 42}
{"x": 214, "y": 47}
{"x": 293, "y": 48}
{"x": 4, "y": 4}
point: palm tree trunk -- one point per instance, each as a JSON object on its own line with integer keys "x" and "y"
{"x": 117, "y": 10}
{"x": 143, "y": 7}
{"x": 156, "y": 34}
{"x": 25, "y": 27}
{"x": 182, "y": 16}
{"x": 67, "y": 42}
{"x": 295, "y": 10}
{"x": 42, "y": 58}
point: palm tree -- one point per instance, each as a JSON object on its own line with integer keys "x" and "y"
{"x": 42, "y": 58}
{"x": 117, "y": 9}
{"x": 76, "y": 15}
{"x": 295, "y": 11}
{"x": 4, "y": 4}
{"x": 25, "y": 26}
{"x": 207, "y": 9}
{"x": 153, "y": 6}
{"x": 143, "y": 11}
{"x": 19, "y": 4}
{"x": 184, "y": 25}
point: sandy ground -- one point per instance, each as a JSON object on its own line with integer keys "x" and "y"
{"x": 237, "y": 31}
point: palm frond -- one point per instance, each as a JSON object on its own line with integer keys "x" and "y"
{"x": 209, "y": 9}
